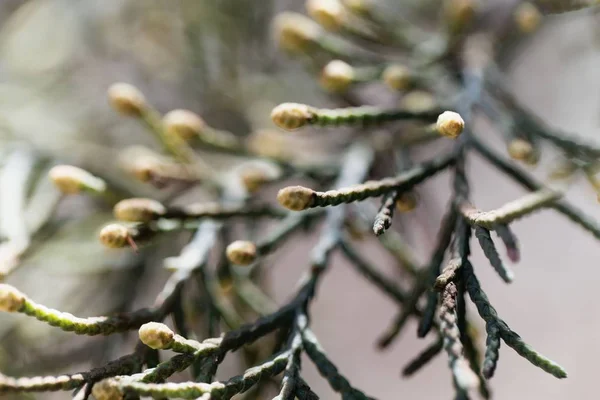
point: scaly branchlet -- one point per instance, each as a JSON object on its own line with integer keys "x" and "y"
{"x": 348, "y": 45}
{"x": 292, "y": 116}
{"x": 299, "y": 198}
{"x": 511, "y": 211}
{"x": 11, "y": 300}
{"x": 465, "y": 378}
{"x": 489, "y": 314}
{"x": 562, "y": 6}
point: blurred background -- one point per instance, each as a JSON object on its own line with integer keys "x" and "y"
{"x": 218, "y": 58}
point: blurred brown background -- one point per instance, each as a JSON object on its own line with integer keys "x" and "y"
{"x": 57, "y": 58}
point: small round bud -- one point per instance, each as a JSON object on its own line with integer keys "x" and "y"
{"x": 11, "y": 300}
{"x": 241, "y": 252}
{"x": 295, "y": 32}
{"x": 183, "y": 123}
{"x": 328, "y": 13}
{"x": 291, "y": 116}
{"x": 418, "y": 101}
{"x": 406, "y": 202}
{"x": 337, "y": 76}
{"x": 138, "y": 210}
{"x": 107, "y": 389}
{"x": 270, "y": 143}
{"x": 450, "y": 124}
{"x": 528, "y": 17}
{"x": 72, "y": 180}
{"x": 127, "y": 99}
{"x": 115, "y": 236}
{"x": 156, "y": 335}
{"x": 295, "y": 198}
{"x": 520, "y": 149}
{"x": 397, "y": 77}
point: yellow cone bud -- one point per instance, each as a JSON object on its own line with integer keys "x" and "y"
{"x": 450, "y": 124}
{"x": 138, "y": 210}
{"x": 291, "y": 116}
{"x": 241, "y": 252}
{"x": 337, "y": 76}
{"x": 72, "y": 180}
{"x": 397, "y": 77}
{"x": 406, "y": 202}
{"x": 520, "y": 149}
{"x": 156, "y": 335}
{"x": 183, "y": 123}
{"x": 527, "y": 17}
{"x": 107, "y": 389}
{"x": 418, "y": 101}
{"x": 127, "y": 99}
{"x": 328, "y": 13}
{"x": 11, "y": 300}
{"x": 295, "y": 198}
{"x": 114, "y": 236}
{"x": 296, "y": 33}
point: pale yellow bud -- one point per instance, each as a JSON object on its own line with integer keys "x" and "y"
{"x": 397, "y": 77}
{"x": 72, "y": 180}
{"x": 520, "y": 149}
{"x": 241, "y": 252}
{"x": 127, "y": 99}
{"x": 418, "y": 101}
{"x": 337, "y": 76}
{"x": 115, "y": 236}
{"x": 156, "y": 335}
{"x": 138, "y": 210}
{"x": 107, "y": 389}
{"x": 295, "y": 32}
{"x": 295, "y": 198}
{"x": 183, "y": 123}
{"x": 11, "y": 300}
{"x": 270, "y": 143}
{"x": 328, "y": 13}
{"x": 528, "y": 17}
{"x": 407, "y": 202}
{"x": 254, "y": 174}
{"x": 291, "y": 116}
{"x": 450, "y": 124}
